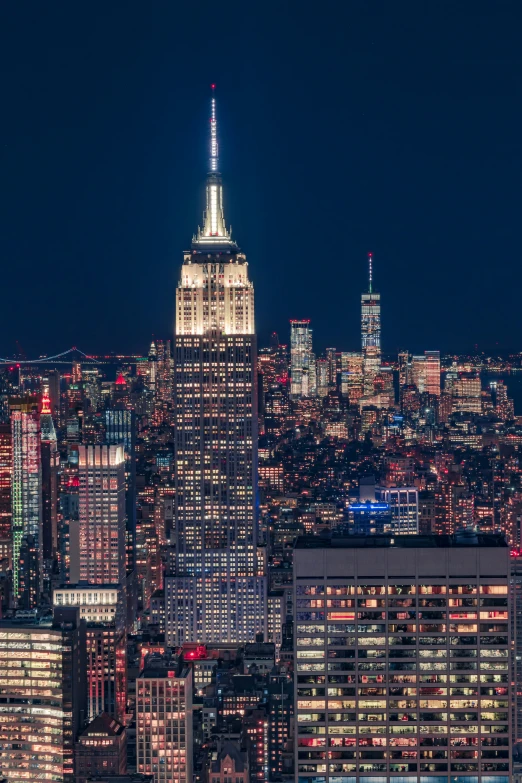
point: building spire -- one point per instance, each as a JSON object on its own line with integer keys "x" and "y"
{"x": 370, "y": 272}
{"x": 214, "y": 149}
{"x": 47, "y": 431}
{"x": 214, "y": 235}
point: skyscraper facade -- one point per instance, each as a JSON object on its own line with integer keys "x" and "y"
{"x": 102, "y": 609}
{"x": 302, "y": 360}
{"x": 43, "y": 697}
{"x": 164, "y": 722}
{"x": 102, "y": 514}
{"x": 217, "y": 592}
{"x": 402, "y": 659}
{"x": 26, "y": 481}
{"x": 370, "y": 331}
{"x": 432, "y": 371}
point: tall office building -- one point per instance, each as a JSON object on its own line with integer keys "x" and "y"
{"x": 370, "y": 331}
{"x": 402, "y": 659}
{"x": 102, "y": 514}
{"x": 26, "y": 483}
{"x": 302, "y": 360}
{"x": 42, "y": 697}
{"x": 218, "y": 591}
{"x": 432, "y": 372}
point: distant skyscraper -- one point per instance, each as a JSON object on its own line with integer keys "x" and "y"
{"x": 302, "y": 360}
{"x": 418, "y": 372}
{"x": 332, "y": 366}
{"x": 50, "y": 465}
{"x": 323, "y": 377}
{"x": 102, "y": 514}
{"x": 352, "y": 376}
{"x": 432, "y": 372}
{"x": 370, "y": 331}
{"x": 218, "y": 592}
{"x": 26, "y": 482}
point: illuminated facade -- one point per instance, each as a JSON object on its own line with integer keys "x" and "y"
{"x": 302, "y": 361}
{"x": 42, "y": 698}
{"x": 6, "y": 467}
{"x": 404, "y": 507}
{"x": 352, "y": 376}
{"x": 466, "y": 391}
{"x": 164, "y": 723}
{"x": 402, "y": 660}
{"x": 26, "y": 482}
{"x": 217, "y": 591}
{"x": 102, "y": 514}
{"x": 370, "y": 332}
{"x": 50, "y": 465}
{"x": 432, "y": 372}
{"x": 101, "y": 607}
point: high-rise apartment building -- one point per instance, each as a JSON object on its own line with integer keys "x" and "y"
{"x": 164, "y": 722}
{"x": 102, "y": 514}
{"x": 302, "y": 360}
{"x": 42, "y": 697}
{"x": 217, "y": 592}
{"x": 402, "y": 659}
{"x": 26, "y": 483}
{"x": 370, "y": 331}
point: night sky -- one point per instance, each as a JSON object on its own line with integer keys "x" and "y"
{"x": 344, "y": 127}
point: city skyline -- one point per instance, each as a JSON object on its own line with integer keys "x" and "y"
{"x": 369, "y": 152}
{"x": 277, "y": 538}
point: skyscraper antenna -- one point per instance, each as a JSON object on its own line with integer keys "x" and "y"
{"x": 214, "y": 157}
{"x": 370, "y": 272}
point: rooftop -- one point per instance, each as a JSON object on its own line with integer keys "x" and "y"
{"x": 103, "y": 725}
{"x": 463, "y": 539}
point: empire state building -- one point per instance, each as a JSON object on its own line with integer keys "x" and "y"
{"x": 217, "y": 590}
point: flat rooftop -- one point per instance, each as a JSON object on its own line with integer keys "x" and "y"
{"x": 468, "y": 539}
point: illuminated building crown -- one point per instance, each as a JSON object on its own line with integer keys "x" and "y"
{"x": 214, "y": 236}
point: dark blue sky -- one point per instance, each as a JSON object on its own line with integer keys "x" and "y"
{"x": 344, "y": 127}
